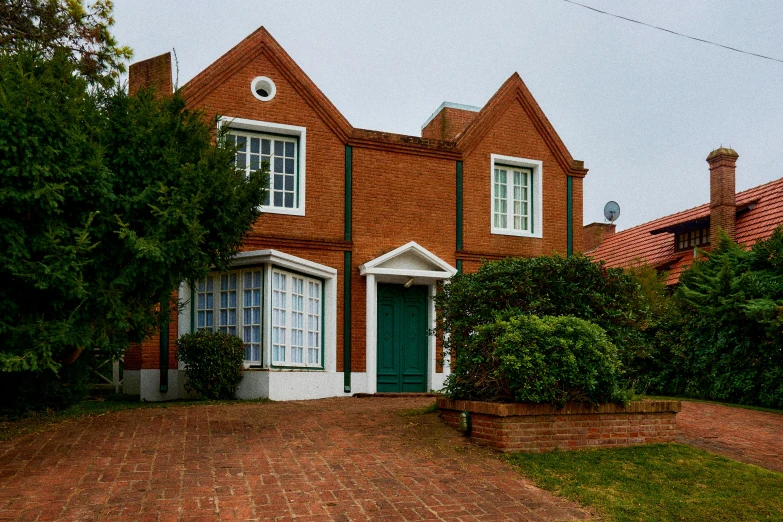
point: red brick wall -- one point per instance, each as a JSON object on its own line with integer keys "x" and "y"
{"x": 397, "y": 198}
{"x": 515, "y": 135}
{"x": 542, "y": 427}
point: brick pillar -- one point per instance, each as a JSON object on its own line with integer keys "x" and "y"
{"x": 153, "y": 72}
{"x": 723, "y": 203}
{"x": 595, "y": 233}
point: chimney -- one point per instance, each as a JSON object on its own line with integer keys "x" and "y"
{"x": 723, "y": 205}
{"x": 153, "y": 72}
{"x": 448, "y": 121}
{"x": 595, "y": 233}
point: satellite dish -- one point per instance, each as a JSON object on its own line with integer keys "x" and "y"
{"x": 611, "y": 211}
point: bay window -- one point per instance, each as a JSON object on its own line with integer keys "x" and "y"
{"x": 235, "y": 303}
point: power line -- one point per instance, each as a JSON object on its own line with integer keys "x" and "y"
{"x": 674, "y": 32}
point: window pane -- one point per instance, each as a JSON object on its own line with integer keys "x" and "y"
{"x": 279, "y": 145}
{"x": 255, "y": 145}
{"x": 289, "y": 166}
{"x": 289, "y": 183}
{"x": 266, "y": 147}
{"x": 241, "y": 143}
{"x": 289, "y": 149}
{"x": 289, "y": 200}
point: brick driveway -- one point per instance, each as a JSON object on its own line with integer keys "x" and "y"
{"x": 755, "y": 437}
{"x": 333, "y": 459}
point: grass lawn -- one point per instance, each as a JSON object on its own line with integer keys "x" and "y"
{"x": 90, "y": 407}
{"x": 658, "y": 483}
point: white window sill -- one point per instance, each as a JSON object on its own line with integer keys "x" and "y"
{"x": 517, "y": 233}
{"x": 283, "y": 210}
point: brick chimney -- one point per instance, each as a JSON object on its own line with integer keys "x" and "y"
{"x": 595, "y": 233}
{"x": 153, "y": 72}
{"x": 723, "y": 202}
{"x": 448, "y": 121}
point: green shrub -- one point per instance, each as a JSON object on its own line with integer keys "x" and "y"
{"x": 550, "y": 360}
{"x": 543, "y": 286}
{"x": 213, "y": 363}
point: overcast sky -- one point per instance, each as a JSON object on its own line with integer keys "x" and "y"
{"x": 641, "y": 107}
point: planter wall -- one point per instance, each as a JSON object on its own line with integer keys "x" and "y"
{"x": 543, "y": 427}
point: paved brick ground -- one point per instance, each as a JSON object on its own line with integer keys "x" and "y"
{"x": 749, "y": 436}
{"x": 334, "y": 459}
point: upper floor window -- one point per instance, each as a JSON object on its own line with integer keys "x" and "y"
{"x": 516, "y": 196}
{"x": 283, "y": 147}
{"x": 693, "y": 238}
{"x": 280, "y": 153}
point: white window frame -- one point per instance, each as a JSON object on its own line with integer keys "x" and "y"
{"x": 239, "y": 308}
{"x": 285, "y": 312}
{"x": 279, "y": 129}
{"x": 536, "y": 166}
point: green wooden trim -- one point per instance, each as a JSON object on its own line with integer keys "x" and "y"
{"x": 164, "y": 348}
{"x": 347, "y": 323}
{"x": 459, "y": 266}
{"x": 569, "y": 215}
{"x": 459, "y": 206}
{"x": 193, "y": 299}
{"x": 348, "y": 192}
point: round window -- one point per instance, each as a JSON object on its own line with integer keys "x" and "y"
{"x": 263, "y": 88}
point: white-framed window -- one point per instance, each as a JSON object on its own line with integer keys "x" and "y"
{"x": 234, "y": 303}
{"x": 515, "y": 196}
{"x": 284, "y": 148}
{"x": 296, "y": 319}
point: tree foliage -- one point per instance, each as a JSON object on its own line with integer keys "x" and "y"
{"x": 65, "y": 26}
{"x": 726, "y": 340}
{"x": 107, "y": 203}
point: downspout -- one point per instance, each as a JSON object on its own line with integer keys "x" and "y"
{"x": 164, "y": 349}
{"x": 570, "y": 216}
{"x": 459, "y": 214}
{"x": 347, "y": 272}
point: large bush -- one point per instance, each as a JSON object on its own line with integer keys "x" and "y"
{"x": 213, "y": 363}
{"x": 524, "y": 358}
{"x": 725, "y": 341}
{"x": 542, "y": 286}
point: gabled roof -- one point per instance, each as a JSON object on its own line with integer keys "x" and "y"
{"x": 261, "y": 42}
{"x": 761, "y": 211}
{"x": 515, "y": 90}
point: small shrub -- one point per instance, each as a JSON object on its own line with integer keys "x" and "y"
{"x": 213, "y": 363}
{"x": 551, "y": 360}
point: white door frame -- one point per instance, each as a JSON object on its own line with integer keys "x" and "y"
{"x": 414, "y": 265}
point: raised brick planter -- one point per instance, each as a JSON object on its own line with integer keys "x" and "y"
{"x": 543, "y": 427}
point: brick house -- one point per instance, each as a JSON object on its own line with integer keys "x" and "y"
{"x": 331, "y": 291}
{"x": 668, "y": 243}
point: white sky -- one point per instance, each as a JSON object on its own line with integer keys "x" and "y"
{"x": 641, "y": 107}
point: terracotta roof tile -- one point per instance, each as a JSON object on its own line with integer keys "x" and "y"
{"x": 637, "y": 244}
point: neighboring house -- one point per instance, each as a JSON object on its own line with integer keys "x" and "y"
{"x": 669, "y": 243}
{"x": 331, "y": 292}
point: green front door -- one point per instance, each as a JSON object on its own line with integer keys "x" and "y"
{"x": 402, "y": 338}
